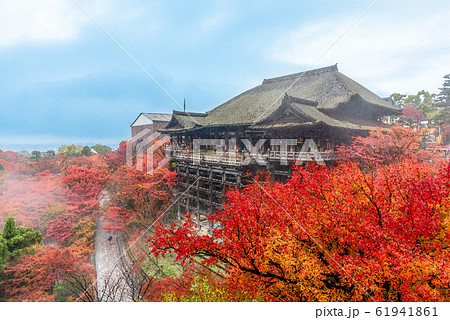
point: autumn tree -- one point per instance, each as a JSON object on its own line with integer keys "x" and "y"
{"x": 83, "y": 189}
{"x": 410, "y": 112}
{"x": 385, "y": 146}
{"x": 26, "y": 196}
{"x": 33, "y": 277}
{"x": 118, "y": 157}
{"x": 9, "y": 156}
{"x": 330, "y": 234}
{"x": 138, "y": 197}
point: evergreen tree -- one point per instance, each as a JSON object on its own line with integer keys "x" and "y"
{"x": 86, "y": 151}
{"x": 9, "y": 230}
{"x": 15, "y": 241}
{"x": 35, "y": 156}
{"x": 443, "y": 98}
{"x": 4, "y": 253}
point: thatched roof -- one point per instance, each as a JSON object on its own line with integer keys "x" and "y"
{"x": 306, "y": 115}
{"x": 326, "y": 89}
{"x": 182, "y": 121}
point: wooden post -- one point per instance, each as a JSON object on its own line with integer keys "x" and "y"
{"x": 198, "y": 197}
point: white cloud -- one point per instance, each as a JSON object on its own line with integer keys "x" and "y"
{"x": 37, "y": 21}
{"x": 208, "y": 26}
{"x": 386, "y": 55}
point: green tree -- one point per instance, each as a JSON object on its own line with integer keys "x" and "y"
{"x": 1, "y": 167}
{"x": 443, "y": 97}
{"x": 35, "y": 156}
{"x": 70, "y": 150}
{"x": 4, "y": 253}
{"x": 398, "y": 100}
{"x": 9, "y": 230}
{"x": 15, "y": 241}
{"x": 49, "y": 154}
{"x": 423, "y": 101}
{"x": 102, "y": 149}
{"x": 86, "y": 151}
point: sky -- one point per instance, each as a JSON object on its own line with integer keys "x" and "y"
{"x": 63, "y": 80}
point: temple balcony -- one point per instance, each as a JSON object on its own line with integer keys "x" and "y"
{"x": 237, "y": 158}
{"x": 328, "y": 155}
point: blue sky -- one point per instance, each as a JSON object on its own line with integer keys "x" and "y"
{"x": 63, "y": 80}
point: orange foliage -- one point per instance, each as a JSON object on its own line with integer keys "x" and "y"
{"x": 138, "y": 197}
{"x": 32, "y": 277}
{"x": 331, "y": 234}
{"x": 386, "y": 146}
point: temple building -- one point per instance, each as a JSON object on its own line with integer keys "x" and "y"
{"x": 150, "y": 122}
{"x": 299, "y": 117}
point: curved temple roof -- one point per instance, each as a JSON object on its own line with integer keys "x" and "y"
{"x": 318, "y": 91}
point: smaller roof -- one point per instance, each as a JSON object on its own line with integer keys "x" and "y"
{"x": 158, "y": 116}
{"x": 307, "y": 110}
{"x": 154, "y": 117}
{"x": 182, "y": 121}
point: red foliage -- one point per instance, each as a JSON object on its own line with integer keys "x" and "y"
{"x": 32, "y": 277}
{"x": 158, "y": 287}
{"x": 117, "y": 158}
{"x": 85, "y": 183}
{"x": 301, "y": 241}
{"x": 61, "y": 197}
{"x": 115, "y": 219}
{"x": 410, "y": 112}
{"x": 386, "y": 146}
{"x": 61, "y": 228}
{"x": 9, "y": 156}
{"x": 27, "y": 196}
{"x": 141, "y": 197}
{"x": 84, "y": 187}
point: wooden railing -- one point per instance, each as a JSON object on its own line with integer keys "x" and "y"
{"x": 304, "y": 156}
{"x": 208, "y": 157}
{"x": 236, "y": 159}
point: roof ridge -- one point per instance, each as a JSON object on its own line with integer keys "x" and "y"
{"x": 188, "y": 113}
{"x": 289, "y": 98}
{"x": 301, "y": 74}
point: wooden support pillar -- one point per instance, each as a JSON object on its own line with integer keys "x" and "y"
{"x": 198, "y": 196}
{"x": 224, "y": 186}
{"x": 187, "y": 190}
{"x": 210, "y": 189}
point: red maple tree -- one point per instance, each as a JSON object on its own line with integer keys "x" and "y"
{"x": 138, "y": 197}
{"x": 331, "y": 234}
{"x": 384, "y": 146}
{"x": 410, "y": 111}
{"x": 32, "y": 277}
